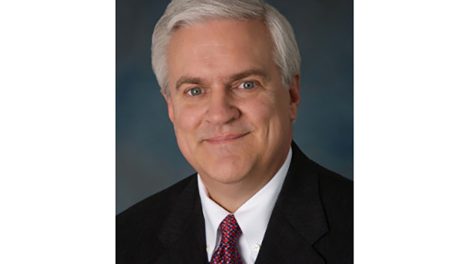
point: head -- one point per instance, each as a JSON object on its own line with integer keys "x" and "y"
{"x": 229, "y": 72}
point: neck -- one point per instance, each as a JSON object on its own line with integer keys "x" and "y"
{"x": 232, "y": 196}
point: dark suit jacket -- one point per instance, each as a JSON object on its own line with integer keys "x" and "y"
{"x": 310, "y": 223}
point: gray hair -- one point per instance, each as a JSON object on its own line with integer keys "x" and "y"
{"x": 187, "y": 12}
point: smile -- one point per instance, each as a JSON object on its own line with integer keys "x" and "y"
{"x": 225, "y": 138}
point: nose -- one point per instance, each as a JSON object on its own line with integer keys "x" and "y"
{"x": 222, "y": 108}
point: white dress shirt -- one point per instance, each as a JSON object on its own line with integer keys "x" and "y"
{"x": 252, "y": 217}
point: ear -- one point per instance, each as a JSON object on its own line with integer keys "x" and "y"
{"x": 294, "y": 92}
{"x": 169, "y": 106}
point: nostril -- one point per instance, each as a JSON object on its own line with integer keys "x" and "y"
{"x": 222, "y": 113}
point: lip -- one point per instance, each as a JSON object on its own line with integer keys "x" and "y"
{"x": 225, "y": 138}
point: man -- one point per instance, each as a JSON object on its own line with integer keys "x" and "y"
{"x": 229, "y": 73}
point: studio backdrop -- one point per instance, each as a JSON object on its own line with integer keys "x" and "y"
{"x": 147, "y": 156}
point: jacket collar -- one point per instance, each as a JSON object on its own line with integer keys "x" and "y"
{"x": 298, "y": 218}
{"x": 183, "y": 232}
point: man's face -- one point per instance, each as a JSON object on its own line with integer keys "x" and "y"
{"x": 231, "y": 113}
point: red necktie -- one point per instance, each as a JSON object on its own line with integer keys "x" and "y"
{"x": 227, "y": 252}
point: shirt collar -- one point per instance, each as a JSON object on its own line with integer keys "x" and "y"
{"x": 252, "y": 217}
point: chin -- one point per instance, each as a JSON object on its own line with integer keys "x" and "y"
{"x": 226, "y": 173}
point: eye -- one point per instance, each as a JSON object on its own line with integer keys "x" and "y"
{"x": 248, "y": 85}
{"x": 195, "y": 91}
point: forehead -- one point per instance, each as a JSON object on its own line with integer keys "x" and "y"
{"x": 213, "y": 28}
{"x": 219, "y": 45}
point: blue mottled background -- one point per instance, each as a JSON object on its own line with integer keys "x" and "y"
{"x": 147, "y": 157}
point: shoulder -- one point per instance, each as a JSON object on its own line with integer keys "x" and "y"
{"x": 336, "y": 194}
{"x": 141, "y": 223}
{"x": 332, "y": 193}
{"x": 334, "y": 188}
{"x": 330, "y": 185}
{"x": 158, "y": 200}
{"x": 156, "y": 204}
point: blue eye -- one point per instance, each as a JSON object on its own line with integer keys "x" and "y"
{"x": 194, "y": 91}
{"x": 248, "y": 85}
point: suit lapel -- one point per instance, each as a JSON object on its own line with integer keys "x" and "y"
{"x": 298, "y": 219}
{"x": 183, "y": 233}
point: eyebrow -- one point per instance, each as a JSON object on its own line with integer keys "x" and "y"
{"x": 194, "y": 80}
{"x": 187, "y": 80}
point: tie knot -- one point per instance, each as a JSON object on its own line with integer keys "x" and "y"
{"x": 230, "y": 230}
{"x": 227, "y": 252}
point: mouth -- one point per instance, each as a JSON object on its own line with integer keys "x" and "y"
{"x": 228, "y": 138}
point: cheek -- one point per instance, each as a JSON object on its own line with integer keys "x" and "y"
{"x": 271, "y": 108}
{"x": 257, "y": 111}
{"x": 187, "y": 118}
{"x": 185, "y": 125}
